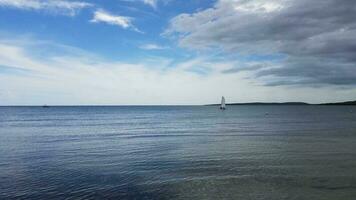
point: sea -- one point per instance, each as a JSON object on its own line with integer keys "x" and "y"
{"x": 178, "y": 152}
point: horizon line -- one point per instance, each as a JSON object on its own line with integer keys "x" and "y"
{"x": 211, "y": 104}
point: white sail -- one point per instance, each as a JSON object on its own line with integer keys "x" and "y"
{"x": 222, "y": 103}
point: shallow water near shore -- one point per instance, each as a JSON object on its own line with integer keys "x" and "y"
{"x": 178, "y": 152}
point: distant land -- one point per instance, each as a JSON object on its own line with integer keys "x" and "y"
{"x": 346, "y": 103}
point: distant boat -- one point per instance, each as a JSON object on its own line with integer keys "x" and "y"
{"x": 45, "y": 106}
{"x": 222, "y": 106}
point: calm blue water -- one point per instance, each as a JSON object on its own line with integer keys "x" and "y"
{"x": 199, "y": 152}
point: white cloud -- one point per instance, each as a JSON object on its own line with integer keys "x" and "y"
{"x": 259, "y": 6}
{"x": 54, "y": 6}
{"x": 152, "y": 47}
{"x": 81, "y": 78}
{"x": 227, "y": 20}
{"x": 117, "y": 20}
{"x": 152, "y": 3}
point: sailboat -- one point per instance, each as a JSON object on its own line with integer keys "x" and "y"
{"x": 222, "y": 106}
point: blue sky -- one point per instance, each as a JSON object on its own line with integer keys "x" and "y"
{"x": 111, "y": 41}
{"x": 170, "y": 52}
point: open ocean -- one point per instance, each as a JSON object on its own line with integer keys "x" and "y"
{"x": 178, "y": 152}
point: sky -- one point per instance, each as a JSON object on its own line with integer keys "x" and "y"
{"x": 176, "y": 52}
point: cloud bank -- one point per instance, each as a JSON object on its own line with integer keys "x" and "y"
{"x": 316, "y": 39}
{"x": 78, "y": 77}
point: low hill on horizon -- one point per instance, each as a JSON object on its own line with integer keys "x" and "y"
{"x": 287, "y": 103}
{"x": 348, "y": 103}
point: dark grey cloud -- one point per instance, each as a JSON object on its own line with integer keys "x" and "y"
{"x": 312, "y": 71}
{"x": 318, "y": 38}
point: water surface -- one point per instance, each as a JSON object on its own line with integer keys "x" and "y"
{"x": 178, "y": 152}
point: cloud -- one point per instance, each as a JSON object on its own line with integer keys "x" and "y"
{"x": 250, "y": 67}
{"x": 70, "y": 76}
{"x": 55, "y": 6}
{"x": 117, "y": 20}
{"x": 73, "y": 79}
{"x": 316, "y": 38}
{"x": 152, "y": 47}
{"x": 152, "y": 3}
